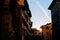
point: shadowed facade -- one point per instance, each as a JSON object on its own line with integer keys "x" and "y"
{"x": 55, "y": 14}
{"x": 11, "y": 19}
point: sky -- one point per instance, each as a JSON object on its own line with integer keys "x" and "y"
{"x": 40, "y": 13}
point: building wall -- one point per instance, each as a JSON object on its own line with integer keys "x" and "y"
{"x": 55, "y": 14}
{"x": 36, "y": 34}
{"x": 11, "y": 26}
{"x": 47, "y": 31}
{"x": 26, "y": 23}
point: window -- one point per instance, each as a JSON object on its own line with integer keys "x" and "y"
{"x": 47, "y": 39}
{"x": 47, "y": 33}
{"x": 47, "y": 28}
{"x": 51, "y": 28}
{"x": 6, "y": 2}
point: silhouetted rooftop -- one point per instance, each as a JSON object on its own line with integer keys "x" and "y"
{"x": 52, "y": 4}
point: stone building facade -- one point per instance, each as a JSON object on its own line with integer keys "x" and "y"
{"x": 55, "y": 14}
{"x": 15, "y": 19}
{"x": 26, "y": 21}
{"x": 36, "y": 34}
{"x": 47, "y": 32}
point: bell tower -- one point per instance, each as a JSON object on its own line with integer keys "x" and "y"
{"x": 55, "y": 14}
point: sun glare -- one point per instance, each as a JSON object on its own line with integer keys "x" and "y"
{"x": 40, "y": 30}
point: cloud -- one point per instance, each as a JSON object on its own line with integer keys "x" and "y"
{"x": 41, "y": 7}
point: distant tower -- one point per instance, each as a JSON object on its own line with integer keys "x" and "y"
{"x": 55, "y": 14}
